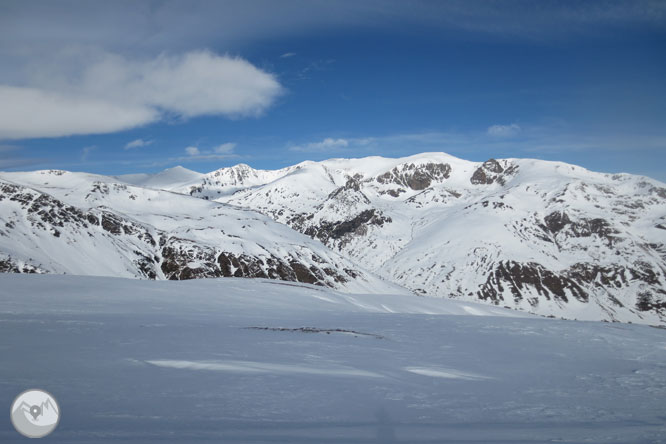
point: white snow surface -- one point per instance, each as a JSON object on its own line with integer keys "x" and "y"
{"x": 260, "y": 361}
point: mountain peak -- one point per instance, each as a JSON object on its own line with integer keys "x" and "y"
{"x": 179, "y": 168}
{"x": 167, "y": 178}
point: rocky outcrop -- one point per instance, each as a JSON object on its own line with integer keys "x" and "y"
{"x": 351, "y": 188}
{"x": 647, "y": 302}
{"x": 530, "y": 281}
{"x": 9, "y": 265}
{"x": 185, "y": 260}
{"x": 559, "y": 225}
{"x": 416, "y": 177}
{"x": 357, "y": 225}
{"x": 492, "y": 171}
{"x": 533, "y": 283}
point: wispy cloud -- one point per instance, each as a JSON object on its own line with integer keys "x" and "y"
{"x": 192, "y": 151}
{"x": 503, "y": 130}
{"x": 113, "y": 93}
{"x": 327, "y": 144}
{"x": 506, "y": 141}
{"x": 85, "y": 152}
{"x": 428, "y": 140}
{"x": 225, "y": 148}
{"x": 138, "y": 143}
{"x": 286, "y": 55}
{"x": 317, "y": 65}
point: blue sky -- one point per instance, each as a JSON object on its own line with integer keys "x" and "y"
{"x": 124, "y": 87}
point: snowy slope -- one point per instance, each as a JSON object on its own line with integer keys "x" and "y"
{"x": 259, "y": 361}
{"x": 546, "y": 237}
{"x": 77, "y": 223}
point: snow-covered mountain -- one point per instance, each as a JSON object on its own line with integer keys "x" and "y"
{"x": 76, "y": 223}
{"x": 545, "y": 237}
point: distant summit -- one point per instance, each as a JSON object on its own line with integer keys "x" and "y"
{"x": 168, "y": 177}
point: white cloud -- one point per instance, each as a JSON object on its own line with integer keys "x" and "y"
{"x": 138, "y": 143}
{"x": 326, "y": 144}
{"x": 112, "y": 93}
{"x": 30, "y": 112}
{"x": 223, "y": 151}
{"x": 504, "y": 130}
{"x": 225, "y": 148}
{"x": 286, "y": 55}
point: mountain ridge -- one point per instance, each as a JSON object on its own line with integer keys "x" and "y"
{"x": 545, "y": 237}
{"x": 83, "y": 225}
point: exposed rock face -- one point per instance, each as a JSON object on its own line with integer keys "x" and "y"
{"x": 615, "y": 276}
{"x": 416, "y": 177}
{"x": 357, "y": 225}
{"x": 522, "y": 281}
{"x": 646, "y": 302}
{"x": 180, "y": 257}
{"x": 351, "y": 188}
{"x": 559, "y": 225}
{"x": 492, "y": 171}
{"x": 11, "y": 266}
{"x": 556, "y": 221}
{"x": 517, "y": 278}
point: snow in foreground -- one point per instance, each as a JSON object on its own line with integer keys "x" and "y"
{"x": 235, "y": 360}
